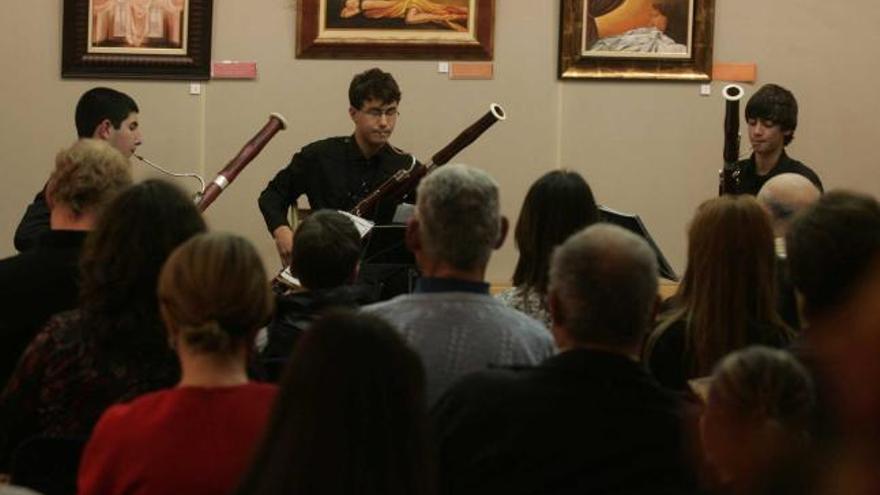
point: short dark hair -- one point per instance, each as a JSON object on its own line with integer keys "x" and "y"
{"x": 830, "y": 247}
{"x": 350, "y": 416}
{"x": 326, "y": 249}
{"x": 777, "y": 104}
{"x": 557, "y": 205}
{"x": 373, "y": 84}
{"x": 98, "y": 104}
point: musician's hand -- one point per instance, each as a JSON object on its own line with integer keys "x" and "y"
{"x": 283, "y": 243}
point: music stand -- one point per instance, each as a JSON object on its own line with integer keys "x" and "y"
{"x": 386, "y": 262}
{"x": 634, "y": 224}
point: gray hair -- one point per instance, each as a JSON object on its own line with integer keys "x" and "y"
{"x": 459, "y": 216}
{"x": 785, "y": 195}
{"x": 605, "y": 280}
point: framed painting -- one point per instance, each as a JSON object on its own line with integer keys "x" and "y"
{"x": 137, "y": 39}
{"x": 636, "y": 39}
{"x": 420, "y": 29}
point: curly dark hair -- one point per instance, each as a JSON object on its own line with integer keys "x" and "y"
{"x": 120, "y": 267}
{"x": 373, "y": 84}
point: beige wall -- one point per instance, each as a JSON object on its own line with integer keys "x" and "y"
{"x": 651, "y": 148}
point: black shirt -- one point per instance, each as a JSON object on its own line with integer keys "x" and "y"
{"x": 750, "y": 182}
{"x": 332, "y": 173}
{"x": 33, "y": 224}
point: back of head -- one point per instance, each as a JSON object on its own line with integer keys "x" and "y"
{"x": 729, "y": 282}
{"x": 557, "y": 205}
{"x": 87, "y": 176}
{"x": 98, "y": 104}
{"x": 605, "y": 281}
{"x": 459, "y": 216}
{"x": 777, "y": 104}
{"x": 830, "y": 247}
{"x": 373, "y": 84}
{"x": 758, "y": 413}
{"x": 326, "y": 249}
{"x": 122, "y": 257}
{"x": 213, "y": 292}
{"x": 350, "y": 416}
{"x": 784, "y": 196}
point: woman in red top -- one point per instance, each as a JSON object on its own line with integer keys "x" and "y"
{"x": 196, "y": 438}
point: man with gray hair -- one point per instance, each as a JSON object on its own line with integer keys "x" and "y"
{"x": 43, "y": 281}
{"x": 589, "y": 420}
{"x": 784, "y": 196}
{"x": 451, "y": 320}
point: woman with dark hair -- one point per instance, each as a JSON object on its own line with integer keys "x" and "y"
{"x": 350, "y": 417}
{"x": 112, "y": 348}
{"x": 557, "y": 205}
{"x": 727, "y": 297}
{"x": 756, "y": 425}
{"x": 196, "y": 438}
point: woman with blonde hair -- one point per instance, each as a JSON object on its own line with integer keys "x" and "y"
{"x": 196, "y": 438}
{"x": 727, "y": 297}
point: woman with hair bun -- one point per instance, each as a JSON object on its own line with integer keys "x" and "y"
{"x": 196, "y": 438}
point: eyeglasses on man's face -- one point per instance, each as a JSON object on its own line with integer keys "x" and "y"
{"x": 377, "y": 113}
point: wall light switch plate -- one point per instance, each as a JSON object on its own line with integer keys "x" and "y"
{"x": 443, "y": 67}
{"x": 705, "y": 89}
{"x": 195, "y": 89}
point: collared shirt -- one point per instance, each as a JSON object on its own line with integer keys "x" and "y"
{"x": 750, "y": 182}
{"x": 428, "y": 285}
{"x": 332, "y": 173}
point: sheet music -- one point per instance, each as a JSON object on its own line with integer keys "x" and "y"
{"x": 363, "y": 225}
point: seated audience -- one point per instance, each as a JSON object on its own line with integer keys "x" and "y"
{"x": 451, "y": 320}
{"x": 324, "y": 257}
{"x": 198, "y": 437}
{"x": 783, "y": 197}
{"x": 589, "y": 420}
{"x": 113, "y": 347}
{"x": 43, "y": 281}
{"x": 350, "y": 416}
{"x": 727, "y": 297}
{"x": 557, "y": 205}
{"x": 834, "y": 255}
{"x": 756, "y": 425}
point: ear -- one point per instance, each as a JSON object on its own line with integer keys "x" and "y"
{"x": 351, "y": 112}
{"x": 102, "y": 131}
{"x": 49, "y": 194}
{"x": 502, "y": 232}
{"x": 413, "y": 238}
{"x": 557, "y": 318}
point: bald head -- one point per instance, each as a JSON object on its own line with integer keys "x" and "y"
{"x": 784, "y": 196}
{"x": 603, "y": 282}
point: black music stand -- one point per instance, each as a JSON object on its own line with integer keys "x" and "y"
{"x": 634, "y": 224}
{"x": 387, "y": 263}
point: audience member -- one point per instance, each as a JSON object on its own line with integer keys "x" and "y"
{"x": 589, "y": 420}
{"x": 101, "y": 113}
{"x": 834, "y": 255}
{"x": 451, "y": 320}
{"x": 783, "y": 197}
{"x": 756, "y": 425}
{"x": 198, "y": 437}
{"x": 113, "y": 347}
{"x": 557, "y": 205}
{"x": 350, "y": 416}
{"x": 43, "y": 281}
{"x": 326, "y": 250}
{"x": 727, "y": 297}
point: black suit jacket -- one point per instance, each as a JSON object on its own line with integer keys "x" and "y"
{"x": 581, "y": 422}
{"x": 35, "y": 285}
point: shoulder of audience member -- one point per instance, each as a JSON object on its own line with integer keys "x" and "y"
{"x": 484, "y": 390}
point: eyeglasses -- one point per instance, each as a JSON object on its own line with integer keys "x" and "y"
{"x": 377, "y": 113}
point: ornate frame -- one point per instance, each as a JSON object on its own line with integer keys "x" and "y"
{"x": 192, "y": 62}
{"x": 315, "y": 39}
{"x": 573, "y": 64}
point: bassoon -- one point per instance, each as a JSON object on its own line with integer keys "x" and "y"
{"x": 406, "y": 180}
{"x": 728, "y": 177}
{"x": 248, "y": 152}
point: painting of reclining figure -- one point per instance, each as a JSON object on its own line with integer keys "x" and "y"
{"x": 638, "y": 28}
{"x": 398, "y": 14}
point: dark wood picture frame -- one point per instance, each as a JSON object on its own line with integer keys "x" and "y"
{"x": 192, "y": 63}
{"x": 574, "y": 32}
{"x": 317, "y": 41}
